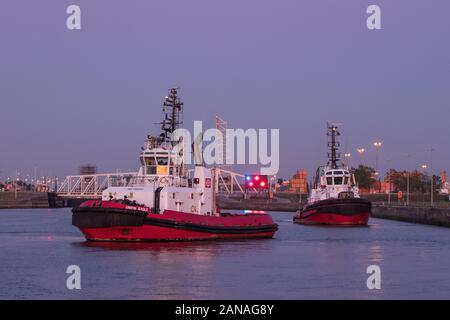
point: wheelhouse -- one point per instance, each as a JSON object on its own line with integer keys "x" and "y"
{"x": 337, "y": 177}
{"x": 159, "y": 162}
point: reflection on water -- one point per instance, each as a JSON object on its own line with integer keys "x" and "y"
{"x": 148, "y": 246}
{"x": 302, "y": 262}
{"x": 376, "y": 251}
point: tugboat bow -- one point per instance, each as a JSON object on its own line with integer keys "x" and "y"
{"x": 334, "y": 198}
{"x": 163, "y": 203}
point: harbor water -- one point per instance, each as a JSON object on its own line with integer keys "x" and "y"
{"x": 301, "y": 262}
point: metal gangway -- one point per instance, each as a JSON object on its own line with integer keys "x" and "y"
{"x": 91, "y": 186}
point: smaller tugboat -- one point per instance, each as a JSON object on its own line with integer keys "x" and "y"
{"x": 163, "y": 203}
{"x": 334, "y": 198}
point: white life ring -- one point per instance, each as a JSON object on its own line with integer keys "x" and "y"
{"x": 163, "y": 180}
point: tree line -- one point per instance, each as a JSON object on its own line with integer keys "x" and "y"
{"x": 419, "y": 182}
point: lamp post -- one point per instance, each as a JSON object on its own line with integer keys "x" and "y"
{"x": 35, "y": 178}
{"x": 361, "y": 153}
{"x": 377, "y": 145}
{"x": 432, "y": 177}
{"x": 424, "y": 168}
{"x": 408, "y": 174}
{"x": 15, "y": 185}
{"x": 347, "y": 159}
{"x": 389, "y": 182}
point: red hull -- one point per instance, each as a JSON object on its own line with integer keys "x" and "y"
{"x": 112, "y": 221}
{"x": 361, "y": 219}
{"x": 343, "y": 212}
{"x": 154, "y": 233}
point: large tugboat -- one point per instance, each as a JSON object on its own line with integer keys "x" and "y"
{"x": 162, "y": 203}
{"x": 334, "y": 198}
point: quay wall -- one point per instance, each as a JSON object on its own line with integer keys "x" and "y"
{"x": 275, "y": 204}
{"x": 26, "y": 200}
{"x": 423, "y": 215}
{"x": 418, "y": 213}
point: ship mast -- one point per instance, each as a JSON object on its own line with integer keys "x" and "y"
{"x": 172, "y": 115}
{"x": 334, "y": 157}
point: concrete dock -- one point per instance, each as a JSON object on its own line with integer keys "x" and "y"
{"x": 27, "y": 200}
{"x": 423, "y": 215}
{"x": 438, "y": 216}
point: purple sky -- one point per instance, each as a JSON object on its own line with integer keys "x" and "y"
{"x": 71, "y": 97}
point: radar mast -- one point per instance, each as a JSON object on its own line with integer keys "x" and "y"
{"x": 172, "y": 115}
{"x": 334, "y": 157}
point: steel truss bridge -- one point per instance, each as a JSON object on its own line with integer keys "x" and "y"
{"x": 92, "y": 186}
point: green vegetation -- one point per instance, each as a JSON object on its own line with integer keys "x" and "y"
{"x": 418, "y": 182}
{"x": 364, "y": 177}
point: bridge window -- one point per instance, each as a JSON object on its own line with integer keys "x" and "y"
{"x": 151, "y": 169}
{"x": 150, "y": 165}
{"x": 329, "y": 181}
{"x": 150, "y": 161}
{"x": 338, "y": 180}
{"x": 163, "y": 161}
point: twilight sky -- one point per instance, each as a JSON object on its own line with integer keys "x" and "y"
{"x": 91, "y": 95}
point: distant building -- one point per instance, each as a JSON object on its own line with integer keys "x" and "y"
{"x": 282, "y": 185}
{"x": 299, "y": 182}
{"x": 42, "y": 188}
{"x": 87, "y": 169}
{"x": 385, "y": 187}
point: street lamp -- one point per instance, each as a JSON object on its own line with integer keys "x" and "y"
{"x": 377, "y": 145}
{"x": 424, "y": 169}
{"x": 408, "y": 180}
{"x": 432, "y": 176}
{"x": 15, "y": 184}
{"x": 361, "y": 153}
{"x": 389, "y": 181}
{"x": 347, "y": 158}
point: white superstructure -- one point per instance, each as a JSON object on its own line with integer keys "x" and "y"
{"x": 162, "y": 182}
{"x": 333, "y": 181}
{"x": 333, "y": 184}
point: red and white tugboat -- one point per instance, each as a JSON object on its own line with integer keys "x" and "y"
{"x": 161, "y": 203}
{"x": 334, "y": 198}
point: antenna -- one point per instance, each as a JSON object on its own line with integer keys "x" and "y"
{"x": 172, "y": 114}
{"x": 333, "y": 156}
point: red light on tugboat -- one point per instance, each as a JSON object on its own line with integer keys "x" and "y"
{"x": 256, "y": 181}
{"x": 254, "y": 211}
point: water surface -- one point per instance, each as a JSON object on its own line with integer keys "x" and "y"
{"x": 302, "y": 262}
